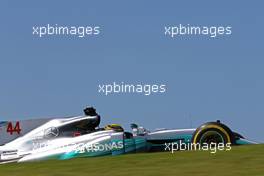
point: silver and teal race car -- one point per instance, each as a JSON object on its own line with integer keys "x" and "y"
{"x": 80, "y": 136}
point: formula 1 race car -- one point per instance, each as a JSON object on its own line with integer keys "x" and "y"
{"x": 65, "y": 138}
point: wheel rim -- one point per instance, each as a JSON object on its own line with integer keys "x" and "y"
{"x": 211, "y": 137}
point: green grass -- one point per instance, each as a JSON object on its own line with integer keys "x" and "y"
{"x": 240, "y": 161}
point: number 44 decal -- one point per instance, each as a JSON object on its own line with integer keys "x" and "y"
{"x": 12, "y": 129}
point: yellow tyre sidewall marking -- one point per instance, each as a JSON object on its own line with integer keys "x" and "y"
{"x": 213, "y": 126}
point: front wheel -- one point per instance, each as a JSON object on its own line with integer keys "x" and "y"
{"x": 213, "y": 132}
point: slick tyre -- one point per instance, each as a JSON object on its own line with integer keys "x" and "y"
{"x": 213, "y": 132}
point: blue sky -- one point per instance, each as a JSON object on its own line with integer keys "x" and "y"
{"x": 207, "y": 79}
